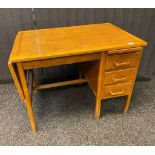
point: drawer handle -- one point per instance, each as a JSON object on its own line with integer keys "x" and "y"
{"x": 122, "y": 64}
{"x": 119, "y": 80}
{"x": 118, "y": 93}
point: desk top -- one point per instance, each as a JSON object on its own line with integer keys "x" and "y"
{"x": 67, "y": 41}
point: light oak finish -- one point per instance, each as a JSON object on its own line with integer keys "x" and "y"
{"x": 118, "y": 61}
{"x": 100, "y": 85}
{"x": 125, "y": 50}
{"x": 116, "y": 81}
{"x": 116, "y": 90}
{"x": 58, "y": 84}
{"x": 108, "y": 60}
{"x": 27, "y": 96}
{"x": 61, "y": 61}
{"x": 74, "y": 40}
{"x": 127, "y": 103}
{"x": 119, "y": 76}
{"x": 90, "y": 72}
{"x": 16, "y": 80}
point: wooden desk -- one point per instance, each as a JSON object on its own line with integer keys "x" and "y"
{"x": 108, "y": 56}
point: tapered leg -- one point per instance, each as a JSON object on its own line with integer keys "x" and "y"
{"x": 16, "y": 80}
{"x": 27, "y": 96}
{"x": 127, "y": 103}
{"x": 100, "y": 85}
{"x": 98, "y": 107}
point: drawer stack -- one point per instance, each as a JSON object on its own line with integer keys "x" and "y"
{"x": 119, "y": 75}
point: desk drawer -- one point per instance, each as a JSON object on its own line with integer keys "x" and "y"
{"x": 116, "y": 90}
{"x": 118, "y": 61}
{"x": 119, "y": 76}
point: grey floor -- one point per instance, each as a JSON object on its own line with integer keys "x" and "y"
{"x": 64, "y": 116}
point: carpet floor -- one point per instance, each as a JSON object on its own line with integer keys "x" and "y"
{"x": 65, "y": 116}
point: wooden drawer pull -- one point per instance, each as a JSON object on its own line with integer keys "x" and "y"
{"x": 122, "y": 64}
{"x": 118, "y": 93}
{"x": 119, "y": 80}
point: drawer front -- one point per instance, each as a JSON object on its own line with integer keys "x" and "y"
{"x": 118, "y": 61}
{"x": 116, "y": 90}
{"x": 119, "y": 76}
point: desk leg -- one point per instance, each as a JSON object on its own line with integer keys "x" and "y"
{"x": 127, "y": 103}
{"x": 27, "y": 96}
{"x": 16, "y": 80}
{"x": 98, "y": 106}
{"x": 100, "y": 85}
